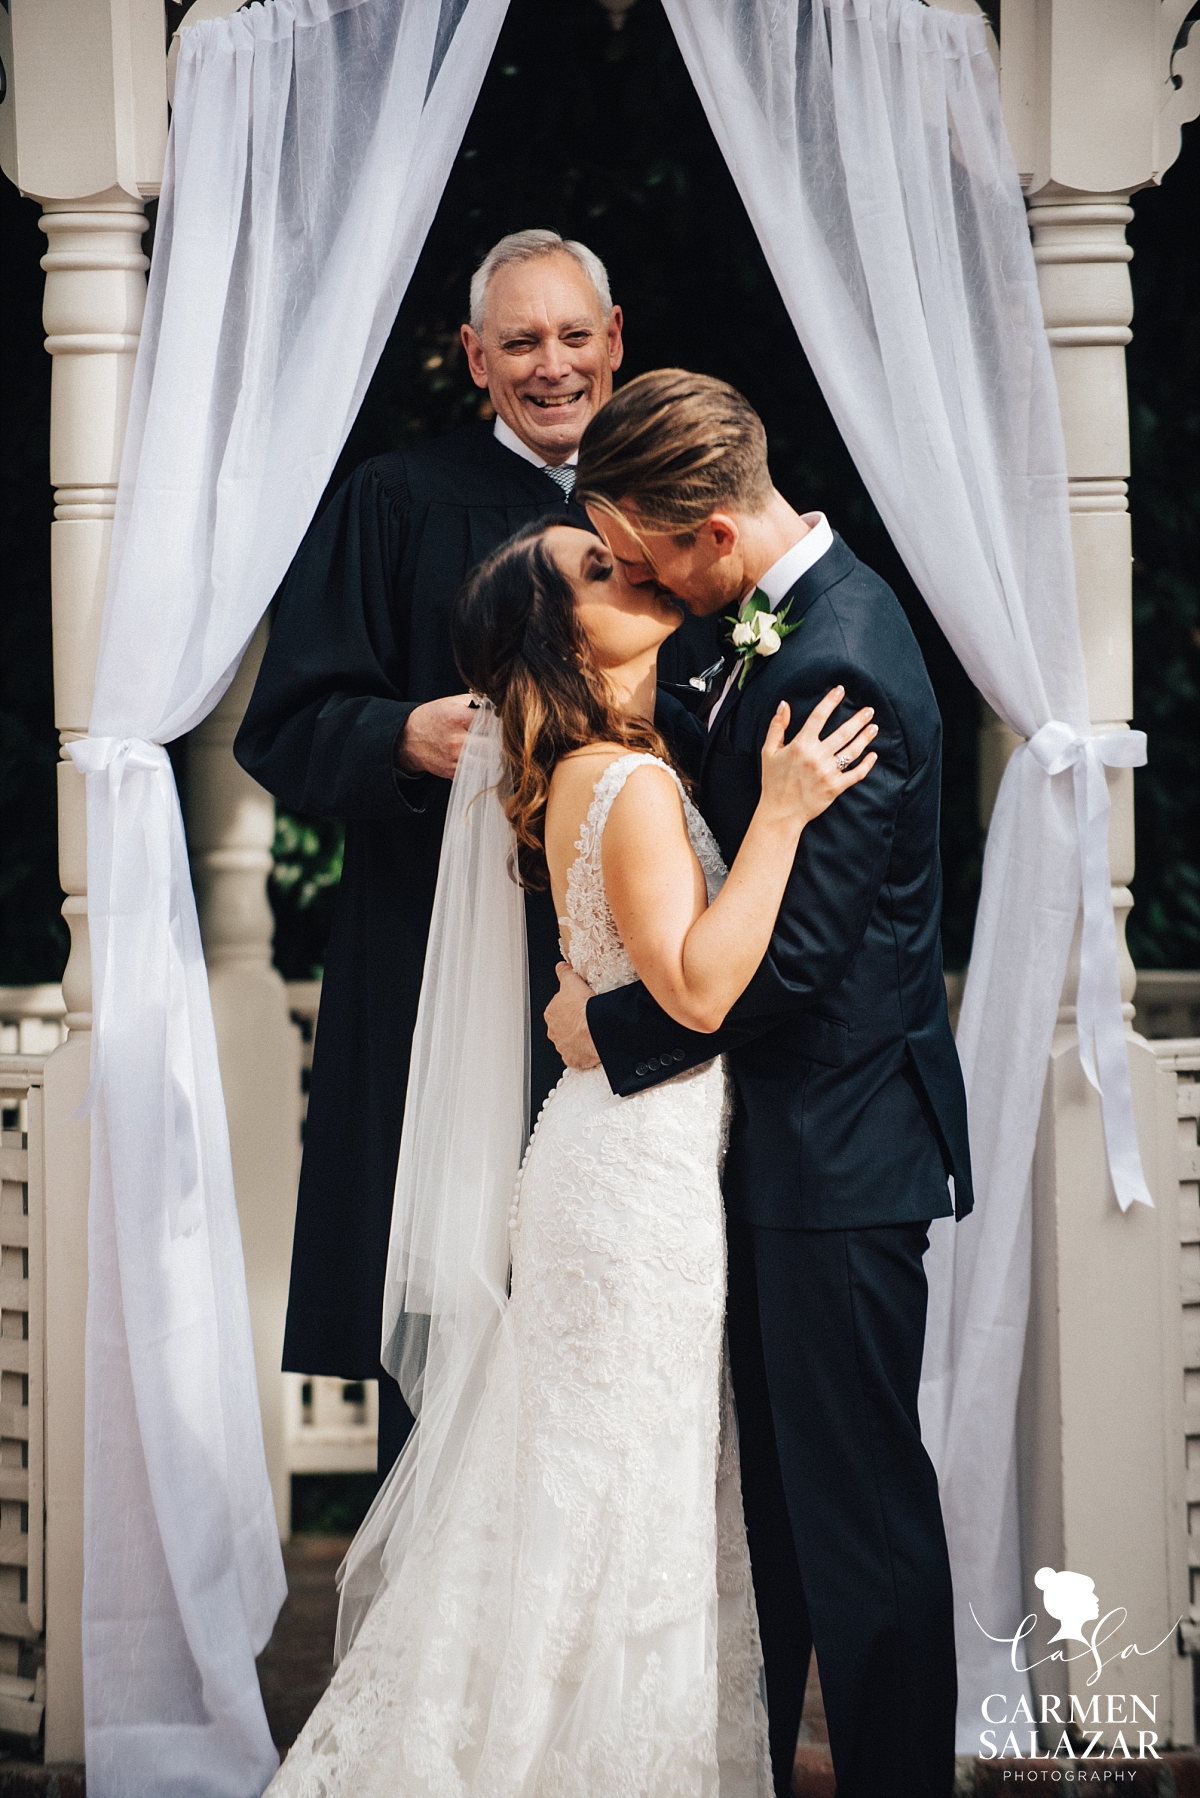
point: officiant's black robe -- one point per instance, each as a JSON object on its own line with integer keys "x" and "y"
{"x": 361, "y": 637}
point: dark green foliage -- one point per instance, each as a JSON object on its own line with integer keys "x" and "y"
{"x": 330, "y": 1504}
{"x": 308, "y": 866}
{"x": 1164, "y": 418}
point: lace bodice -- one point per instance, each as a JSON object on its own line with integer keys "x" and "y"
{"x": 595, "y": 949}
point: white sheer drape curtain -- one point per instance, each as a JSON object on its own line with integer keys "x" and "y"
{"x": 310, "y": 144}
{"x": 867, "y": 143}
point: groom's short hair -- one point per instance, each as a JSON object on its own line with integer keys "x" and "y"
{"x": 672, "y": 448}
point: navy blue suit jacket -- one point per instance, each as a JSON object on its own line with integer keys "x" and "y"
{"x": 850, "y": 1109}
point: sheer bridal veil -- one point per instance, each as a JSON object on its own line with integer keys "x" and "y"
{"x": 465, "y": 1125}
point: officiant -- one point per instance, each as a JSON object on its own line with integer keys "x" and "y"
{"x": 358, "y": 714}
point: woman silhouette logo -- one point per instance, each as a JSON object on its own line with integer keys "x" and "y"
{"x": 1071, "y": 1599}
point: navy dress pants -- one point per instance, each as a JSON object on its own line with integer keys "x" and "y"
{"x": 395, "y": 1423}
{"x": 826, "y": 1329}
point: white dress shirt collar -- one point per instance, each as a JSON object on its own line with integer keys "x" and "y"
{"x": 508, "y": 437}
{"x": 782, "y": 576}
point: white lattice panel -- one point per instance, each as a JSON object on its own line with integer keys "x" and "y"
{"x": 1182, "y": 1057}
{"x": 22, "y": 1497}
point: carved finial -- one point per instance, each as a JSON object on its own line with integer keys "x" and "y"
{"x": 1179, "y": 60}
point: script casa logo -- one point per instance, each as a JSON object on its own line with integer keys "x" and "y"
{"x": 1069, "y": 1599}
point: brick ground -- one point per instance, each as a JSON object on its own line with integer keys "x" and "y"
{"x": 30, "y": 1779}
{"x": 1174, "y": 1776}
{"x": 295, "y": 1667}
{"x": 297, "y": 1664}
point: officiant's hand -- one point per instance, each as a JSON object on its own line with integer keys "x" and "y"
{"x": 431, "y": 741}
{"x": 566, "y": 1020}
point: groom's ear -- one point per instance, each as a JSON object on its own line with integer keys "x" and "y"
{"x": 722, "y": 532}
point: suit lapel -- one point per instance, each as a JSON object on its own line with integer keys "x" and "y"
{"x": 833, "y": 566}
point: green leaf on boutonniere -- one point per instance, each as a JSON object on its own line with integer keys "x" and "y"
{"x": 758, "y": 631}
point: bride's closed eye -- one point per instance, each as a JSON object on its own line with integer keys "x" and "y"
{"x": 598, "y": 571}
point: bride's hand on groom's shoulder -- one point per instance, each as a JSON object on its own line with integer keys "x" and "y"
{"x": 801, "y": 779}
{"x": 566, "y": 1020}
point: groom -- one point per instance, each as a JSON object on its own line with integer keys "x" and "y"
{"x": 849, "y": 1131}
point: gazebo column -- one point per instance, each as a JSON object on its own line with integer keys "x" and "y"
{"x": 95, "y": 293}
{"x": 1105, "y": 1339}
{"x": 1101, "y": 1418}
{"x": 231, "y": 827}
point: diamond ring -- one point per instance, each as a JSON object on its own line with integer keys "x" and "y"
{"x": 843, "y": 761}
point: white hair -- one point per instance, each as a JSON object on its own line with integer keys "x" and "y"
{"x": 526, "y": 246}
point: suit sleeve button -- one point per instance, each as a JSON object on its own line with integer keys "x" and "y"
{"x": 678, "y": 1055}
{"x": 641, "y": 1069}
{"x": 654, "y": 1064}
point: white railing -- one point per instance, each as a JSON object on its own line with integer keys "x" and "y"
{"x": 31, "y": 1019}
{"x": 1181, "y": 1056}
{"x": 330, "y": 1425}
{"x": 1167, "y": 1003}
{"x": 22, "y": 1392}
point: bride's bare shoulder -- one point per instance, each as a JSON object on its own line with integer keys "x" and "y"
{"x": 587, "y": 763}
{"x": 575, "y": 777}
{"x": 572, "y": 786}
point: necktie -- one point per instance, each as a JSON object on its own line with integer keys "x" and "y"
{"x": 563, "y": 477}
{"x": 730, "y": 662}
{"x": 719, "y": 689}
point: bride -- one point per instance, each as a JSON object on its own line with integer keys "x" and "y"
{"x": 551, "y": 1594}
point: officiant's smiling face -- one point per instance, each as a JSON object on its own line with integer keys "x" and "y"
{"x": 546, "y": 352}
{"x": 623, "y": 623}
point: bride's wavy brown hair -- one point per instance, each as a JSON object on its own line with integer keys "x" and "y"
{"x": 518, "y": 642}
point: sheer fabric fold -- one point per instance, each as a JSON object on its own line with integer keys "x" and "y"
{"x": 310, "y": 142}
{"x": 867, "y": 143}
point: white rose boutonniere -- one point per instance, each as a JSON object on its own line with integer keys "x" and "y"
{"x": 758, "y": 631}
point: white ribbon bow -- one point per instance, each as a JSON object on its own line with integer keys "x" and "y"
{"x": 1102, "y": 1051}
{"x": 144, "y": 937}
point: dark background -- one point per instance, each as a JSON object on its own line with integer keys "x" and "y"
{"x": 600, "y": 136}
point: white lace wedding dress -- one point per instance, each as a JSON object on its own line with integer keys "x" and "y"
{"x": 581, "y": 1622}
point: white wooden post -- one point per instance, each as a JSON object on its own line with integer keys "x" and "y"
{"x": 231, "y": 827}
{"x": 1093, "y": 115}
{"x": 83, "y": 129}
{"x": 95, "y": 289}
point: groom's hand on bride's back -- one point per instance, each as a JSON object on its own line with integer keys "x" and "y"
{"x": 566, "y": 1020}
